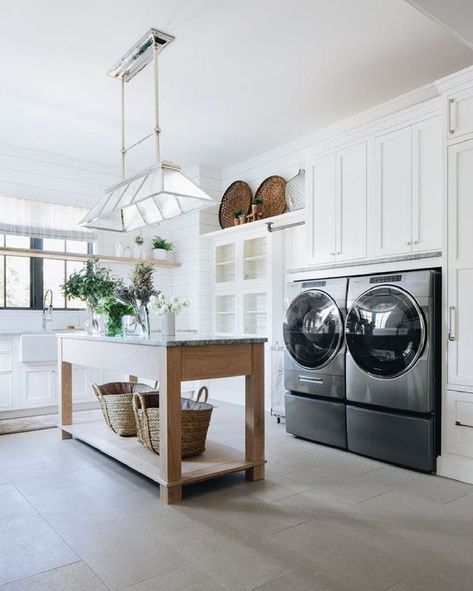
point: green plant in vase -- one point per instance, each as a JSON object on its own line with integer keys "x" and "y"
{"x": 238, "y": 217}
{"x": 138, "y": 294}
{"x": 113, "y": 310}
{"x": 91, "y": 284}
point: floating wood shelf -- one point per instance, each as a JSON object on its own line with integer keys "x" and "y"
{"x": 72, "y": 256}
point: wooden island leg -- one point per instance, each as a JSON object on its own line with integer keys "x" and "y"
{"x": 65, "y": 392}
{"x": 254, "y": 414}
{"x": 170, "y": 424}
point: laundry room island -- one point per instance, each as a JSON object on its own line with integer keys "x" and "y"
{"x": 171, "y": 361}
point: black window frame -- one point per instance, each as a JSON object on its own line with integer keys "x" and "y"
{"x": 37, "y": 277}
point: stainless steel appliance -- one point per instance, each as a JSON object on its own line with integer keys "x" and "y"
{"x": 393, "y": 345}
{"x": 314, "y": 360}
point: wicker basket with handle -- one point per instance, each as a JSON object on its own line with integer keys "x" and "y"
{"x": 195, "y": 420}
{"x": 116, "y": 402}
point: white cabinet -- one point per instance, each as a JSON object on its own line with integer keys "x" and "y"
{"x": 241, "y": 276}
{"x": 427, "y": 186}
{"x": 459, "y": 423}
{"x": 336, "y": 207}
{"x": 460, "y": 264}
{"x": 6, "y": 375}
{"x": 350, "y": 209}
{"x": 460, "y": 114}
{"x": 406, "y": 192}
{"x": 38, "y": 385}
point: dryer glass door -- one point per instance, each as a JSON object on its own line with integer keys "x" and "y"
{"x": 313, "y": 329}
{"x": 385, "y": 331}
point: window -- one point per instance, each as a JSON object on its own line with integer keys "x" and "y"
{"x": 15, "y": 281}
{"x": 24, "y": 281}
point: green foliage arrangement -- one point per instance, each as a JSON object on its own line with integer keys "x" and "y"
{"x": 159, "y": 242}
{"x": 138, "y": 294}
{"x": 114, "y": 310}
{"x": 256, "y": 201}
{"x": 91, "y": 284}
{"x": 238, "y": 213}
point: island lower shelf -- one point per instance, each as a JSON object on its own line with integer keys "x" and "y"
{"x": 217, "y": 460}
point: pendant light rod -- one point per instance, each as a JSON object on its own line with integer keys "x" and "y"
{"x": 123, "y": 149}
{"x": 157, "y": 129}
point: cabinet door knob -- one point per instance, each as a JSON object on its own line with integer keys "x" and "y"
{"x": 408, "y": 242}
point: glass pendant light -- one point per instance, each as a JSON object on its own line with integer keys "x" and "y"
{"x": 159, "y": 192}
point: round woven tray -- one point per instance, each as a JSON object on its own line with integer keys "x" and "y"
{"x": 237, "y": 196}
{"x": 272, "y": 192}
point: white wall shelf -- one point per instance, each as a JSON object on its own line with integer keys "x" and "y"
{"x": 71, "y": 256}
{"x": 258, "y": 226}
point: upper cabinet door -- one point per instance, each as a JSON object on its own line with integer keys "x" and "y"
{"x": 460, "y": 114}
{"x": 427, "y": 186}
{"x": 321, "y": 192}
{"x": 460, "y": 264}
{"x": 391, "y": 194}
{"x": 351, "y": 203}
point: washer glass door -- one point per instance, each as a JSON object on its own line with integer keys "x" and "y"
{"x": 385, "y": 331}
{"x": 313, "y": 329}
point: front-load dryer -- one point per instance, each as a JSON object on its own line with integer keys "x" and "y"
{"x": 393, "y": 340}
{"x": 314, "y": 360}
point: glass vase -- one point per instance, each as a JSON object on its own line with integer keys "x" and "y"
{"x": 91, "y": 325}
{"x": 113, "y": 327}
{"x": 143, "y": 322}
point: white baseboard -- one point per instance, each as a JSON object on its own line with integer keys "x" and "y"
{"x": 456, "y": 467}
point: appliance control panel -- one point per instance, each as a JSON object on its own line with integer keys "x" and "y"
{"x": 386, "y": 279}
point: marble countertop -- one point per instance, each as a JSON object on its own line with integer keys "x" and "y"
{"x": 18, "y": 333}
{"x": 190, "y": 340}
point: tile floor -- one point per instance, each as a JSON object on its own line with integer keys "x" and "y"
{"x": 72, "y": 519}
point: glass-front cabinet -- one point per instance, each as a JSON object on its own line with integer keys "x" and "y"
{"x": 241, "y": 279}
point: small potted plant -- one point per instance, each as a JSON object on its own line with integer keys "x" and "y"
{"x": 239, "y": 217}
{"x": 161, "y": 248}
{"x": 256, "y": 204}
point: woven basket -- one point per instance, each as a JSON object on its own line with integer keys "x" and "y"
{"x": 195, "y": 420}
{"x": 272, "y": 192}
{"x": 237, "y": 196}
{"x": 116, "y": 402}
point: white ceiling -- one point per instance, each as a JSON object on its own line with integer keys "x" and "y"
{"x": 242, "y": 77}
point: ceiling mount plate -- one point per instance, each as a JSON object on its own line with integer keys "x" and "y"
{"x": 138, "y": 56}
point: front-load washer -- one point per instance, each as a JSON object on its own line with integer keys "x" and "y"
{"x": 314, "y": 360}
{"x": 392, "y": 333}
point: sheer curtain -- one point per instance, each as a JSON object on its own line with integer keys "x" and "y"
{"x": 40, "y": 219}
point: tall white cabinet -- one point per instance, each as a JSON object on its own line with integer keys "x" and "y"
{"x": 337, "y": 210}
{"x": 407, "y": 189}
{"x": 457, "y": 445}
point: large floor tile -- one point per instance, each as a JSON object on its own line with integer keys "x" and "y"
{"x": 424, "y": 581}
{"x": 181, "y": 579}
{"x": 122, "y": 555}
{"x": 427, "y": 551}
{"x": 28, "y": 546}
{"x": 303, "y": 579}
{"x": 13, "y": 504}
{"x": 350, "y": 563}
{"x": 73, "y": 577}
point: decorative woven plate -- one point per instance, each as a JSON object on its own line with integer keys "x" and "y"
{"x": 237, "y": 196}
{"x": 272, "y": 193}
{"x": 295, "y": 191}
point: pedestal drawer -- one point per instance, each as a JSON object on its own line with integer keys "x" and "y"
{"x": 459, "y": 423}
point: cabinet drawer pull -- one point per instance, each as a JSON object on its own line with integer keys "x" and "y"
{"x": 310, "y": 380}
{"x": 458, "y": 424}
{"x": 452, "y": 320}
{"x": 452, "y": 124}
